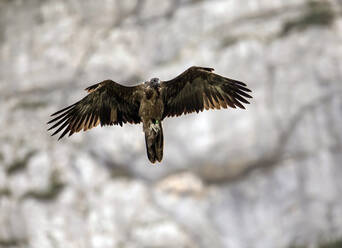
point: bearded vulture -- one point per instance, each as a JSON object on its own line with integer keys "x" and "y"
{"x": 110, "y": 103}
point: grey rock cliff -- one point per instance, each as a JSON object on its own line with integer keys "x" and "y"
{"x": 266, "y": 177}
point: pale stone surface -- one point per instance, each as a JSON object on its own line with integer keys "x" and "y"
{"x": 266, "y": 177}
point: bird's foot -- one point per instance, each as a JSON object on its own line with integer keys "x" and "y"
{"x": 155, "y": 128}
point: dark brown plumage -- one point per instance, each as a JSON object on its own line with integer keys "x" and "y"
{"x": 109, "y": 103}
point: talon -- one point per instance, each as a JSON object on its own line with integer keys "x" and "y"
{"x": 155, "y": 128}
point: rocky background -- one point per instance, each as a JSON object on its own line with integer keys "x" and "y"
{"x": 267, "y": 177}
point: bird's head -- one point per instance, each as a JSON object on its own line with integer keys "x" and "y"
{"x": 154, "y": 83}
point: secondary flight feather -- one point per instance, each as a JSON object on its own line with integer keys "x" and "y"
{"x": 110, "y": 103}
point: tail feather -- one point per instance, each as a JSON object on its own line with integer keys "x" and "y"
{"x": 154, "y": 143}
{"x": 149, "y": 148}
{"x": 159, "y": 145}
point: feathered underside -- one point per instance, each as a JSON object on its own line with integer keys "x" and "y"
{"x": 198, "y": 88}
{"x": 107, "y": 103}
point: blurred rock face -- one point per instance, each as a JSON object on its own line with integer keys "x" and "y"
{"x": 266, "y": 177}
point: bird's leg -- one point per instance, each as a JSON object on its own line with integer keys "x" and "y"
{"x": 155, "y": 126}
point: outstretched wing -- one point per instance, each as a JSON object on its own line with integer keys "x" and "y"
{"x": 198, "y": 88}
{"x": 108, "y": 103}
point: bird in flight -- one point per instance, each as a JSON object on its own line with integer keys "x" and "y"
{"x": 110, "y": 103}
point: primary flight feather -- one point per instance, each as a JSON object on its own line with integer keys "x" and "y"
{"x": 110, "y": 103}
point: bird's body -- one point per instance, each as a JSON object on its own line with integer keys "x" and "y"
{"x": 151, "y": 113}
{"x": 109, "y": 103}
{"x": 151, "y": 105}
